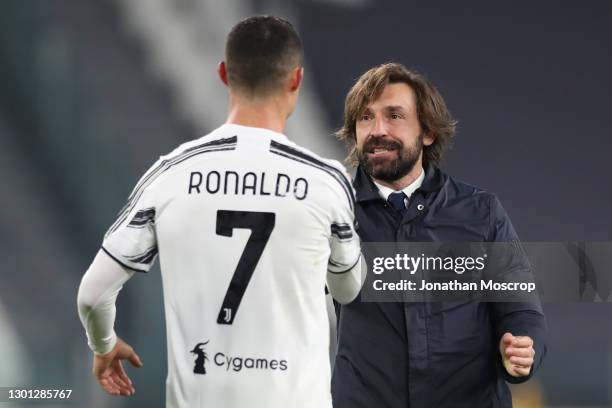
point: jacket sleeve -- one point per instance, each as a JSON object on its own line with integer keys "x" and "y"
{"x": 519, "y": 318}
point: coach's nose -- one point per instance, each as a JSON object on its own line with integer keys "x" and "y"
{"x": 379, "y": 127}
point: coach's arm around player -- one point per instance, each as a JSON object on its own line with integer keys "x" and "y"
{"x": 96, "y": 304}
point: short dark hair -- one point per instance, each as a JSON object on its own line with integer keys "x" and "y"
{"x": 259, "y": 54}
{"x": 434, "y": 117}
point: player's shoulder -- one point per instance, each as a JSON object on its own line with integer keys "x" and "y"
{"x": 307, "y": 157}
{"x": 215, "y": 140}
{"x": 211, "y": 142}
{"x": 330, "y": 171}
{"x": 167, "y": 163}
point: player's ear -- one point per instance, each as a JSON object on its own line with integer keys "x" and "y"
{"x": 222, "y": 73}
{"x": 296, "y": 78}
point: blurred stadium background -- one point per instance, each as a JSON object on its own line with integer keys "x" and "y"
{"x": 92, "y": 91}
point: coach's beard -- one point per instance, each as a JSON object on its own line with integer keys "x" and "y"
{"x": 394, "y": 169}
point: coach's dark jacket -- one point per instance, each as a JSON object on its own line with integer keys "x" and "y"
{"x": 436, "y": 354}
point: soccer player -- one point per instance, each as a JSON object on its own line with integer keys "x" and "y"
{"x": 249, "y": 228}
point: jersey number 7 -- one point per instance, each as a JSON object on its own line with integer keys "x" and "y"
{"x": 261, "y": 225}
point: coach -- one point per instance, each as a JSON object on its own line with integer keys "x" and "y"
{"x": 437, "y": 354}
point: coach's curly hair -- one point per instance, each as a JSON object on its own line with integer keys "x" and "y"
{"x": 433, "y": 115}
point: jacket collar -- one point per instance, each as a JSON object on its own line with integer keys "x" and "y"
{"x": 366, "y": 189}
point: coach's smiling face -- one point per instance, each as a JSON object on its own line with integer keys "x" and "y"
{"x": 390, "y": 139}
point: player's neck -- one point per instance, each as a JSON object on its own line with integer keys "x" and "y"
{"x": 260, "y": 113}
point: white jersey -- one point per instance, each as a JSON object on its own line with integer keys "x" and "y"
{"x": 247, "y": 226}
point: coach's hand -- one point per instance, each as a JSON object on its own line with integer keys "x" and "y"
{"x": 517, "y": 354}
{"x": 109, "y": 371}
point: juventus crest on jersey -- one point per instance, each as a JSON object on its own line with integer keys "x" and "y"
{"x": 247, "y": 226}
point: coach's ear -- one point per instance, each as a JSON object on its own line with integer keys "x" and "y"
{"x": 428, "y": 139}
{"x": 222, "y": 72}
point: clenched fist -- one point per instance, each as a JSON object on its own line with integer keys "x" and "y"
{"x": 517, "y": 354}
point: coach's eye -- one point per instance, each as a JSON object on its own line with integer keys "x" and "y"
{"x": 395, "y": 116}
{"x": 364, "y": 117}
